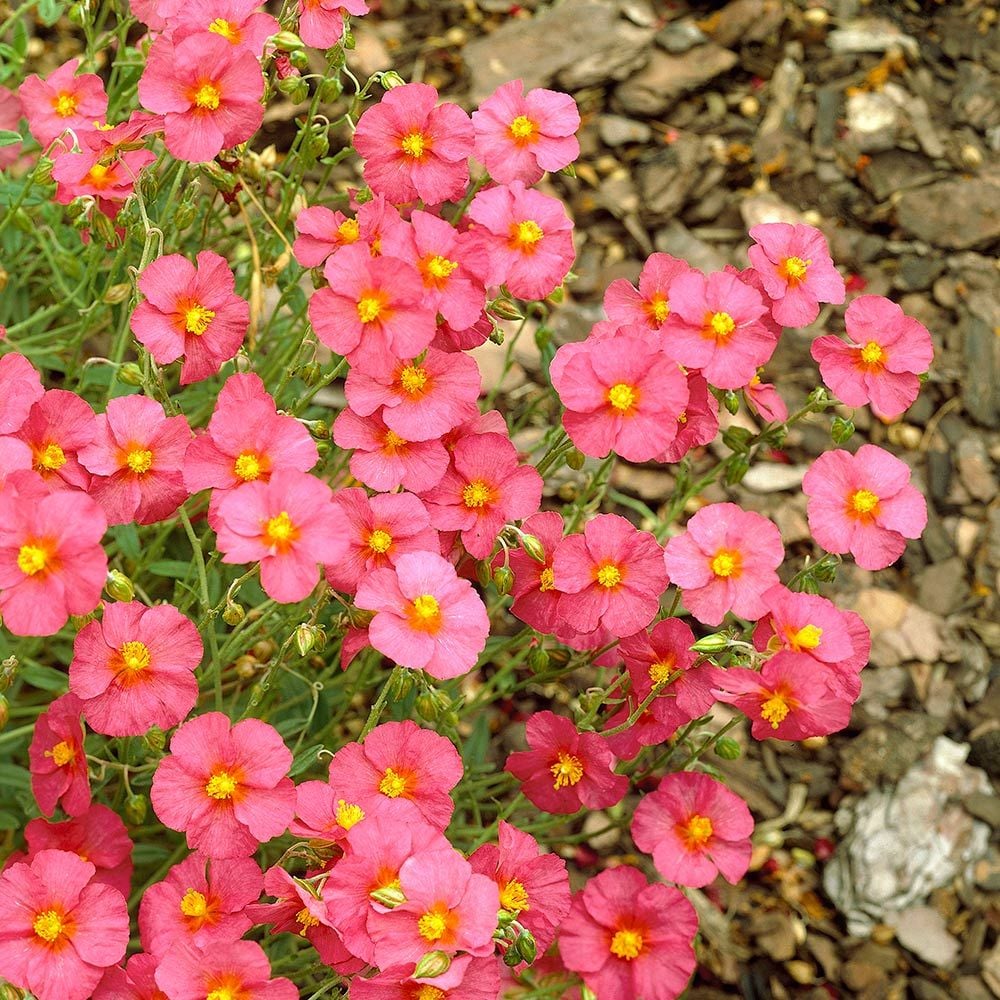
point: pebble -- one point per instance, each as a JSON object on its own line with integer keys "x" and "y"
{"x": 616, "y": 130}
{"x": 666, "y": 78}
{"x": 956, "y": 214}
{"x": 922, "y": 930}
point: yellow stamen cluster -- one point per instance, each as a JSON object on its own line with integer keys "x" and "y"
{"x": 139, "y": 460}
{"x": 476, "y": 494}
{"x": 65, "y": 104}
{"x": 547, "y": 579}
{"x": 661, "y": 670}
{"x": 349, "y": 230}
{"x": 524, "y": 130}
{"x": 51, "y": 457}
{"x": 369, "y": 308}
{"x": 228, "y": 30}
{"x": 726, "y": 563}
{"x": 380, "y": 541}
{"x": 415, "y": 144}
{"x": 48, "y": 925}
{"x": 413, "y": 378}
{"x": 280, "y": 530}
{"x": 221, "y": 786}
{"x": 609, "y": 576}
{"x": 393, "y": 440}
{"x": 432, "y": 925}
{"x": 305, "y": 920}
{"x": 513, "y": 896}
{"x": 697, "y": 831}
{"x": 775, "y": 709}
{"x": 807, "y": 637}
{"x": 567, "y": 770}
{"x": 207, "y": 97}
{"x": 197, "y": 319}
{"x": 658, "y": 308}
{"x": 439, "y": 267}
{"x": 32, "y": 559}
{"x": 135, "y": 655}
{"x": 247, "y": 466}
{"x": 348, "y": 814}
{"x": 62, "y": 753}
{"x": 721, "y": 324}
{"x": 794, "y": 269}
{"x": 622, "y": 397}
{"x": 524, "y": 235}
{"x": 863, "y": 501}
{"x": 392, "y": 784}
{"x": 872, "y": 353}
{"x": 626, "y": 944}
{"x": 194, "y": 904}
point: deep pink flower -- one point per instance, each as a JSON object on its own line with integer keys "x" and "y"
{"x": 451, "y": 340}
{"x": 715, "y": 325}
{"x": 135, "y": 668}
{"x": 630, "y": 940}
{"x": 61, "y": 929}
{"x": 209, "y": 92}
{"x": 788, "y": 700}
{"x": 380, "y": 529}
{"x": 724, "y": 561}
{"x": 200, "y": 902}
{"x": 765, "y": 399}
{"x": 565, "y": 769}
{"x": 289, "y": 524}
{"x": 383, "y": 460}
{"x": 610, "y": 575}
{"x": 372, "y": 312}
{"x": 519, "y": 136}
{"x": 881, "y": 366}
{"x": 225, "y": 786}
{"x": 695, "y": 828}
{"x": 796, "y": 270}
{"x": 321, "y": 22}
{"x": 448, "y": 907}
{"x": 321, "y": 233}
{"x": 649, "y": 304}
{"x": 533, "y": 885}
{"x": 399, "y": 771}
{"x": 51, "y": 561}
{"x": 467, "y": 978}
{"x": 191, "y": 312}
{"x": 99, "y": 173}
{"x": 10, "y": 117}
{"x": 20, "y": 389}
{"x": 58, "y": 759}
{"x": 698, "y": 424}
{"x": 134, "y": 982}
{"x": 528, "y": 236}
{"x": 239, "y": 22}
{"x": 484, "y": 488}
{"x": 322, "y": 814}
{"x": 536, "y": 600}
{"x": 413, "y": 148}
{"x": 621, "y": 397}
{"x": 240, "y": 970}
{"x": 63, "y": 101}
{"x": 97, "y": 835}
{"x": 421, "y": 400}
{"x": 863, "y": 504}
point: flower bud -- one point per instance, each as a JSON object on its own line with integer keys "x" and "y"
{"x": 841, "y": 429}
{"x": 533, "y": 547}
{"x": 427, "y": 707}
{"x": 43, "y": 172}
{"x": 391, "y": 79}
{"x": 117, "y": 293}
{"x": 311, "y": 373}
{"x": 538, "y": 659}
{"x": 359, "y": 618}
{"x": 543, "y": 337}
{"x": 714, "y": 643}
{"x": 288, "y": 41}
{"x": 8, "y": 671}
{"x": 294, "y": 88}
{"x": 484, "y": 573}
{"x": 497, "y": 336}
{"x": 731, "y": 402}
{"x": 305, "y": 638}
{"x": 9, "y": 992}
{"x": 389, "y": 897}
{"x": 403, "y": 685}
{"x": 526, "y": 946}
{"x": 233, "y": 613}
{"x": 136, "y": 807}
{"x": 330, "y": 90}
{"x": 104, "y": 229}
{"x": 130, "y": 373}
{"x": 738, "y": 467}
{"x": 119, "y": 586}
{"x": 503, "y": 580}
{"x": 245, "y": 667}
{"x": 727, "y": 748}
{"x": 575, "y": 459}
{"x": 504, "y": 308}
{"x": 736, "y": 438}
{"x": 4, "y": 711}
{"x": 155, "y": 739}
{"x": 557, "y": 294}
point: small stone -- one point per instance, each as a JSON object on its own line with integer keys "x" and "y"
{"x": 922, "y": 930}
{"x": 981, "y": 387}
{"x": 774, "y": 477}
{"x": 871, "y": 35}
{"x": 873, "y": 121}
{"x": 985, "y": 807}
{"x": 680, "y": 36}
{"x": 956, "y": 214}
{"x": 974, "y": 468}
{"x": 616, "y": 130}
{"x": 881, "y": 609}
{"x": 942, "y": 588}
{"x": 666, "y": 78}
{"x": 985, "y": 752}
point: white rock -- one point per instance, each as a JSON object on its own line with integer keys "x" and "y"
{"x": 922, "y": 930}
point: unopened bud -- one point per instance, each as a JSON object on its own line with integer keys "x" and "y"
{"x": 330, "y": 90}
{"x": 305, "y": 638}
{"x": 736, "y": 438}
{"x": 533, "y": 547}
{"x": 403, "y": 685}
{"x": 391, "y": 79}
{"x": 155, "y": 739}
{"x": 43, "y": 172}
{"x": 233, "y": 613}
{"x": 484, "y": 573}
{"x": 8, "y": 671}
{"x": 497, "y": 336}
{"x": 727, "y": 748}
{"x": 245, "y": 667}
{"x": 294, "y": 88}
{"x": 117, "y": 293}
{"x": 557, "y": 294}
{"x": 731, "y": 402}
{"x": 136, "y": 807}
{"x": 104, "y": 229}
{"x": 575, "y": 459}
{"x": 130, "y": 373}
{"x": 119, "y": 586}
{"x": 9, "y": 992}
{"x": 543, "y": 337}
{"x": 841, "y": 430}
{"x": 389, "y": 896}
{"x": 526, "y": 946}
{"x": 359, "y": 618}
{"x": 288, "y": 41}
{"x": 427, "y": 707}
{"x": 538, "y": 659}
{"x": 505, "y": 309}
{"x": 714, "y": 643}
{"x": 503, "y": 580}
{"x": 311, "y": 373}
{"x": 737, "y": 468}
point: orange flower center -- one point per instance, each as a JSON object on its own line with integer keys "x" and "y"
{"x": 658, "y": 308}
{"x": 547, "y": 579}
{"x": 33, "y": 559}
{"x": 720, "y": 325}
{"x": 696, "y": 832}
{"x": 428, "y": 992}
{"x": 280, "y": 531}
{"x": 416, "y": 145}
{"x": 50, "y": 458}
{"x": 807, "y": 637}
{"x": 661, "y": 670}
{"x": 222, "y": 785}
{"x": 247, "y": 466}
{"x": 424, "y": 613}
{"x": 197, "y": 319}
{"x": 49, "y": 926}
{"x": 872, "y": 353}
{"x": 567, "y": 770}
{"x": 626, "y": 944}
{"x": 793, "y": 269}
{"x": 305, "y": 920}
{"x": 525, "y": 235}
{"x": 433, "y": 925}
{"x": 609, "y": 575}
{"x": 65, "y": 104}
{"x": 477, "y": 494}
{"x": 194, "y": 904}
{"x": 413, "y": 379}
{"x": 523, "y": 130}
{"x": 437, "y": 269}
{"x": 349, "y": 230}
{"x": 863, "y": 503}
{"x": 392, "y": 784}
{"x": 726, "y": 563}
{"x": 207, "y": 97}
{"x": 139, "y": 460}
{"x": 622, "y": 397}
{"x": 135, "y": 656}
{"x": 348, "y": 814}
{"x": 513, "y": 896}
{"x": 393, "y": 441}
{"x": 370, "y": 307}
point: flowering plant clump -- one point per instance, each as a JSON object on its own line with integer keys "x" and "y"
{"x": 320, "y": 648}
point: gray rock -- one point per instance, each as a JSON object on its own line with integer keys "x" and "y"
{"x": 616, "y": 130}
{"x": 896, "y": 170}
{"x": 874, "y": 121}
{"x": 745, "y": 21}
{"x": 985, "y": 752}
{"x": 872, "y": 34}
{"x": 918, "y": 273}
{"x": 974, "y": 468}
{"x": 676, "y": 239}
{"x": 668, "y": 177}
{"x": 957, "y": 214}
{"x": 680, "y": 36}
{"x": 981, "y": 388}
{"x": 942, "y": 588}
{"x": 922, "y": 930}
{"x": 667, "y": 78}
{"x": 984, "y": 807}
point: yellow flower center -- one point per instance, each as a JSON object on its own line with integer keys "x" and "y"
{"x": 194, "y": 904}
{"x": 440, "y": 267}
{"x": 425, "y": 613}
{"x": 197, "y": 319}
{"x": 349, "y": 230}
{"x": 661, "y": 670}
{"x": 65, "y": 104}
{"x": 428, "y": 992}
{"x": 415, "y": 144}
{"x": 524, "y": 235}
{"x": 135, "y": 655}
{"x": 432, "y": 925}
{"x": 207, "y": 97}
{"x": 863, "y": 501}
{"x": 280, "y": 531}
{"x": 228, "y": 30}
{"x": 622, "y": 397}
{"x": 224, "y": 993}
{"x": 48, "y": 925}
{"x": 722, "y": 324}
{"x": 567, "y": 770}
{"x": 513, "y": 896}
{"x": 658, "y": 308}
{"x": 476, "y": 494}
{"x": 807, "y": 637}
{"x": 609, "y": 576}
{"x": 348, "y": 814}
{"x": 62, "y": 753}
{"x": 726, "y": 562}
{"x": 413, "y": 378}
{"x": 696, "y": 832}
{"x": 775, "y": 709}
{"x": 97, "y": 174}
{"x": 393, "y": 440}
{"x": 247, "y": 466}
{"x": 392, "y": 784}
{"x": 51, "y": 457}
{"x": 794, "y": 269}
{"x": 369, "y": 308}
{"x": 547, "y": 579}
{"x": 626, "y": 944}
{"x": 380, "y": 541}
{"x": 305, "y": 920}
{"x": 872, "y": 353}
{"x": 523, "y": 129}
{"x": 221, "y": 786}
{"x": 32, "y": 559}
{"x": 139, "y": 460}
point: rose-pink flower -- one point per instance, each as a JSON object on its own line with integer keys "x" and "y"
{"x": 20, "y": 389}
{"x": 58, "y": 759}
{"x": 63, "y": 100}
{"x": 321, "y": 22}
{"x": 239, "y": 22}
{"x": 649, "y": 304}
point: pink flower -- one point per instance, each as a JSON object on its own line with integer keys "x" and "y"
{"x": 881, "y": 366}
{"x": 135, "y": 982}
{"x": 191, "y": 312}
{"x": 796, "y": 270}
{"x": 321, "y": 22}
{"x": 380, "y": 529}
{"x": 715, "y": 325}
{"x": 611, "y": 575}
{"x": 765, "y": 400}
{"x": 372, "y": 312}
{"x": 51, "y": 561}
{"x": 536, "y": 600}
{"x": 240, "y": 970}
{"x": 289, "y": 524}
{"x": 225, "y": 787}
{"x": 61, "y": 929}
{"x": 97, "y": 835}
{"x": 466, "y": 979}
{"x": 533, "y": 885}
{"x": 528, "y": 236}
{"x": 109, "y": 176}
{"x": 451, "y": 340}
{"x": 239, "y": 22}
{"x": 698, "y": 424}
{"x": 621, "y": 397}
{"x": 448, "y": 907}
{"x": 10, "y": 117}
{"x": 863, "y": 504}
{"x": 421, "y": 400}
{"x": 58, "y": 759}
{"x": 63, "y": 101}
{"x": 382, "y": 460}
{"x": 135, "y": 459}
{"x": 209, "y": 92}
{"x": 135, "y": 668}
{"x": 630, "y": 940}
{"x": 200, "y": 902}
{"x": 649, "y": 304}
{"x": 519, "y": 136}
{"x": 399, "y": 771}
{"x": 565, "y": 770}
{"x": 20, "y": 389}
{"x": 320, "y": 814}
{"x": 695, "y": 828}
{"x": 321, "y": 233}
{"x": 413, "y": 149}
{"x": 375, "y": 852}
{"x": 724, "y": 561}
{"x": 484, "y": 488}
{"x": 788, "y": 700}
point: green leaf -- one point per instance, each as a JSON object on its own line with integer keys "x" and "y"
{"x": 305, "y": 759}
{"x": 173, "y": 568}
{"x": 13, "y": 777}
{"x": 8, "y": 138}
{"x": 49, "y": 11}
{"x": 127, "y": 537}
{"x": 46, "y": 678}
